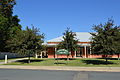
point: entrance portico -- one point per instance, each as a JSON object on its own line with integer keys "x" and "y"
{"x": 82, "y": 52}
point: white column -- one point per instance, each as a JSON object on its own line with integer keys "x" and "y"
{"x": 41, "y": 55}
{"x": 55, "y": 49}
{"x": 85, "y": 51}
{"x": 36, "y": 56}
{"x": 90, "y": 52}
{"x": 75, "y": 55}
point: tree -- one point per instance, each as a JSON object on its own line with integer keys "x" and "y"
{"x": 6, "y": 7}
{"x": 69, "y": 41}
{"x": 117, "y": 41}
{"x": 3, "y": 32}
{"x": 9, "y": 24}
{"x": 106, "y": 40}
{"x": 27, "y": 42}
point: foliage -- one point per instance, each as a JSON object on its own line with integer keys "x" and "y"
{"x": 27, "y": 40}
{"x": 106, "y": 39}
{"x": 12, "y": 37}
{"x": 6, "y": 7}
{"x": 9, "y": 24}
{"x": 3, "y": 32}
{"x": 69, "y": 41}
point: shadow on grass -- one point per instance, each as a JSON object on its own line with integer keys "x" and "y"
{"x": 11, "y": 58}
{"x": 59, "y": 63}
{"x": 65, "y": 59}
{"x": 97, "y": 62}
{"x": 26, "y": 60}
{"x": 109, "y": 58}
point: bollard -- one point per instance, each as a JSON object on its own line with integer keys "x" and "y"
{"x": 5, "y": 59}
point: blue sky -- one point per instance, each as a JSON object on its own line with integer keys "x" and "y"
{"x": 54, "y": 16}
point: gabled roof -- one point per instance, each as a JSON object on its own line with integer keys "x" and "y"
{"x": 81, "y": 36}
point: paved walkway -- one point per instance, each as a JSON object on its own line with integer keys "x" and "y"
{"x": 107, "y": 69}
{"x": 9, "y": 61}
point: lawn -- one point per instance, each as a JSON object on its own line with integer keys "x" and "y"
{"x": 1, "y": 60}
{"x": 72, "y": 62}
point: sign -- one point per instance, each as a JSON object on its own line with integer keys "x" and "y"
{"x": 62, "y": 51}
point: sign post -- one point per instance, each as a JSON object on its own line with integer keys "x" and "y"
{"x": 62, "y": 51}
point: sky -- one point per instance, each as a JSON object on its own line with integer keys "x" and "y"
{"x": 53, "y": 17}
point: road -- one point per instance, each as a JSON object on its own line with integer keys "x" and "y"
{"x": 14, "y": 74}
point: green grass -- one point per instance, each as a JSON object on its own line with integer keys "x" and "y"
{"x": 71, "y": 62}
{"x": 1, "y": 60}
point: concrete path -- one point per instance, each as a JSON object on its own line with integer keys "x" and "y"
{"x": 14, "y": 60}
{"x": 2, "y": 62}
{"x": 67, "y": 68}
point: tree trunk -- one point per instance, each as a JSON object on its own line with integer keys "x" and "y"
{"x": 106, "y": 57}
{"x": 67, "y": 59}
{"x": 118, "y": 57}
{"x": 57, "y": 59}
{"x": 29, "y": 58}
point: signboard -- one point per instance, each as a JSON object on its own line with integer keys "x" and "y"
{"x": 62, "y": 51}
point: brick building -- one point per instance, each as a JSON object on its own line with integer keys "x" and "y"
{"x": 84, "y": 50}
